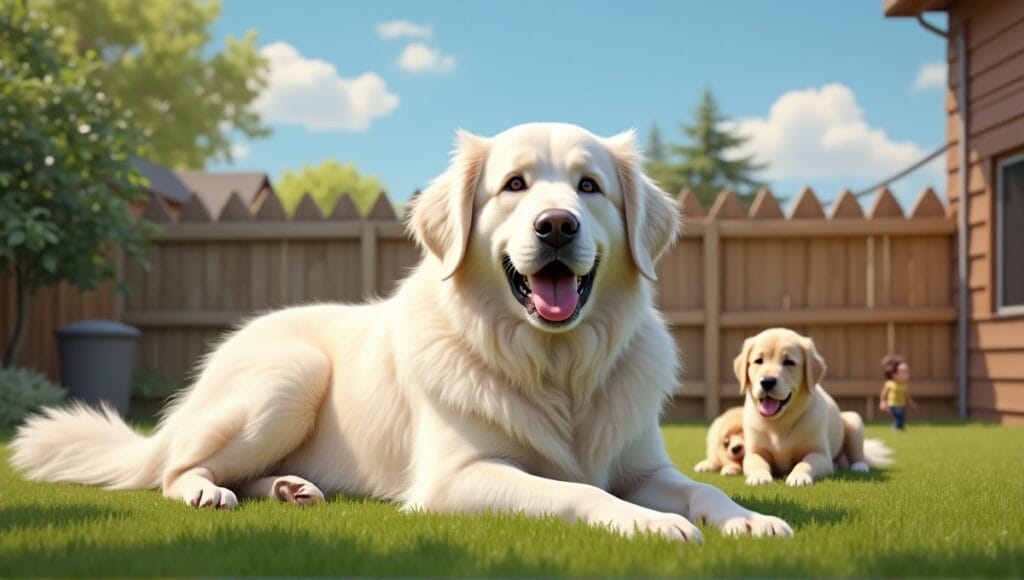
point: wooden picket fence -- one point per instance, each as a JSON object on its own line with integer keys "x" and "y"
{"x": 861, "y": 285}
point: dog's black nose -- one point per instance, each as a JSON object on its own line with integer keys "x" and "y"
{"x": 768, "y": 383}
{"x": 556, "y": 227}
{"x": 736, "y": 449}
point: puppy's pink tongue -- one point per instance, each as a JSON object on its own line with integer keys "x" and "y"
{"x": 769, "y": 406}
{"x": 554, "y": 297}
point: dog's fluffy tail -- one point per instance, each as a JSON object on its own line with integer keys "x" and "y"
{"x": 877, "y": 453}
{"x": 79, "y": 444}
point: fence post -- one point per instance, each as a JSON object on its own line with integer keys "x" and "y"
{"x": 368, "y": 244}
{"x": 712, "y": 312}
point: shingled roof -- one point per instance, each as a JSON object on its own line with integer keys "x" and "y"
{"x": 214, "y": 189}
{"x": 163, "y": 182}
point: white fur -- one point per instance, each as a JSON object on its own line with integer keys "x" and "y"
{"x": 446, "y": 396}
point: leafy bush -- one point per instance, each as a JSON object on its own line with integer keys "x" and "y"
{"x": 67, "y": 181}
{"x": 23, "y": 391}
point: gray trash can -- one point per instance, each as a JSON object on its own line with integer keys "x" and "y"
{"x": 96, "y": 361}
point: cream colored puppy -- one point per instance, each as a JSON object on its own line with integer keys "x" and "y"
{"x": 790, "y": 424}
{"x": 521, "y": 367}
{"x": 724, "y": 444}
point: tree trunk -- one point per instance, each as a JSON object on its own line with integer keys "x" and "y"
{"x": 21, "y": 316}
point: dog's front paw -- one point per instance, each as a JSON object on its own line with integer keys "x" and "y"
{"x": 647, "y": 521}
{"x": 757, "y": 524}
{"x": 759, "y": 478}
{"x": 860, "y": 467}
{"x": 732, "y": 470}
{"x": 671, "y": 526}
{"x": 799, "y": 479}
{"x": 704, "y": 467}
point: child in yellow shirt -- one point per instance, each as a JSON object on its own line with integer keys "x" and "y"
{"x": 895, "y": 394}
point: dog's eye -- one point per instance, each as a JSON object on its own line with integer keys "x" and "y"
{"x": 788, "y": 363}
{"x": 758, "y": 360}
{"x": 515, "y": 183}
{"x": 588, "y": 185}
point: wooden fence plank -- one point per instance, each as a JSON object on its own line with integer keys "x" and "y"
{"x": 712, "y": 283}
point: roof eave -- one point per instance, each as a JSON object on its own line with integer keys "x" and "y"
{"x": 913, "y": 7}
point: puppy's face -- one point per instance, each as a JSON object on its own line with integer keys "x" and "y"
{"x": 732, "y": 444}
{"x": 546, "y": 216}
{"x": 776, "y": 368}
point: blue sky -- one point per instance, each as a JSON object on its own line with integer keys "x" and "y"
{"x": 832, "y": 93}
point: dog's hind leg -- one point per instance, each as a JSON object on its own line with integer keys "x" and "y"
{"x": 853, "y": 441}
{"x": 241, "y": 420}
{"x": 286, "y": 488}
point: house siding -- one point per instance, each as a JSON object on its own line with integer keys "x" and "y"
{"x": 995, "y": 65}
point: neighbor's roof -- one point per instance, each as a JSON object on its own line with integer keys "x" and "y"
{"x": 214, "y": 189}
{"x": 913, "y": 7}
{"x": 163, "y": 181}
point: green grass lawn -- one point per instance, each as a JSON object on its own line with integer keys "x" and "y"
{"x": 953, "y": 505}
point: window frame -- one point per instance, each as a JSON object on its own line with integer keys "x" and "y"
{"x": 1001, "y": 308}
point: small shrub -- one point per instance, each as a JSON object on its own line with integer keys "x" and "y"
{"x": 23, "y": 391}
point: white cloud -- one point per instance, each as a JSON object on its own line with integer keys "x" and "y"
{"x": 822, "y": 134}
{"x": 239, "y": 151}
{"x": 311, "y": 93}
{"x": 931, "y": 75}
{"x": 420, "y": 58}
{"x": 403, "y": 28}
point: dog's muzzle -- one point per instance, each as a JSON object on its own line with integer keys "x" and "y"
{"x": 555, "y": 294}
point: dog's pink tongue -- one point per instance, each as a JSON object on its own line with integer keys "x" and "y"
{"x": 554, "y": 297}
{"x": 769, "y": 406}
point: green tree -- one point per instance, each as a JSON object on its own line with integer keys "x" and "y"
{"x": 655, "y": 147}
{"x": 656, "y": 163}
{"x": 704, "y": 162}
{"x": 66, "y": 177}
{"x": 325, "y": 183}
{"x": 157, "y": 58}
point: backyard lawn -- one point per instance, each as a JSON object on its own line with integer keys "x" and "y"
{"x": 953, "y": 505}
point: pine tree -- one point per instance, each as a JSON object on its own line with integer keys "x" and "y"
{"x": 705, "y": 166}
{"x": 655, "y": 149}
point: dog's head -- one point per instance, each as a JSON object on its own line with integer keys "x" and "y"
{"x": 732, "y": 444}
{"x": 548, "y": 212}
{"x": 776, "y": 368}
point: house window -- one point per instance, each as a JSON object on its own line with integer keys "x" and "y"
{"x": 1010, "y": 235}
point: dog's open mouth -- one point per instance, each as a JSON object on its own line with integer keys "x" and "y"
{"x": 555, "y": 293}
{"x": 770, "y": 407}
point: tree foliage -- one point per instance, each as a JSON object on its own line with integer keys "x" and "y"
{"x": 325, "y": 183}
{"x": 66, "y": 177}
{"x": 157, "y": 59}
{"x": 655, "y": 147}
{"x": 704, "y": 163}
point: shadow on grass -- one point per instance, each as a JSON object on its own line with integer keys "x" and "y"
{"x": 998, "y": 561}
{"x": 795, "y": 514}
{"x": 34, "y": 516}
{"x": 873, "y": 476}
{"x": 269, "y": 552}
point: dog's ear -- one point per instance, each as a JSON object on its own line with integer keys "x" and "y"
{"x": 814, "y": 364}
{"x": 652, "y": 217}
{"x": 441, "y": 217}
{"x": 740, "y": 363}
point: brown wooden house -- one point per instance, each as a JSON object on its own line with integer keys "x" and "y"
{"x": 985, "y": 158}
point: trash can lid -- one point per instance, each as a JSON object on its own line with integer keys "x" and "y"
{"x": 97, "y": 328}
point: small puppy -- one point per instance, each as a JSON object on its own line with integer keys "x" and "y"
{"x": 790, "y": 424}
{"x": 725, "y": 444}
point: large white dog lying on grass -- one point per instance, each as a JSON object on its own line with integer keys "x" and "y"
{"x": 520, "y": 367}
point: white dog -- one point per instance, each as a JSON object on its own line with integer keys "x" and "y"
{"x": 520, "y": 367}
